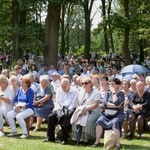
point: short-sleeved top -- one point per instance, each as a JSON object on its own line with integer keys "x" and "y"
{"x": 8, "y": 93}
{"x": 42, "y": 92}
{"x": 67, "y": 99}
{"x": 87, "y": 99}
{"x": 26, "y": 98}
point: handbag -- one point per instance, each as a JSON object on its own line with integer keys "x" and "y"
{"x": 110, "y": 113}
{"x": 110, "y": 138}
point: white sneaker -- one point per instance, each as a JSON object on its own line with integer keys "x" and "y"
{"x": 1, "y": 133}
{"x": 24, "y": 136}
{"x": 12, "y": 134}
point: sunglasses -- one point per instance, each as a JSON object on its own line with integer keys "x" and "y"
{"x": 85, "y": 83}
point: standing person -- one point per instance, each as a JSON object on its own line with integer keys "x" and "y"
{"x": 6, "y": 98}
{"x": 141, "y": 106}
{"x": 113, "y": 100}
{"x": 23, "y": 107}
{"x": 66, "y": 97}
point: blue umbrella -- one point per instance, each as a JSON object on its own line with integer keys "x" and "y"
{"x": 134, "y": 69}
{"x": 128, "y": 77}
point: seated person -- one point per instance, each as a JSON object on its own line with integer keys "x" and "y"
{"x": 86, "y": 114}
{"x": 6, "y": 98}
{"x": 66, "y": 97}
{"x": 113, "y": 100}
{"x": 127, "y": 110}
{"x": 23, "y": 107}
{"x": 43, "y": 101}
{"x": 141, "y": 107}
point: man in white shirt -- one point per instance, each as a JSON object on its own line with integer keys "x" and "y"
{"x": 66, "y": 97}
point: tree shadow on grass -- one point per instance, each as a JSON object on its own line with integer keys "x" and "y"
{"x": 134, "y": 146}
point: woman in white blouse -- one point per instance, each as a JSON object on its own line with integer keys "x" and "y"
{"x": 6, "y": 98}
{"x": 88, "y": 102}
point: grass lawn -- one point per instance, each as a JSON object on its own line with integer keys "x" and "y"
{"x": 35, "y": 142}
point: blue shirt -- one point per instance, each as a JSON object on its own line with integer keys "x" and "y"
{"x": 26, "y": 97}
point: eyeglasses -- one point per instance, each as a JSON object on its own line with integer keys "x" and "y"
{"x": 85, "y": 83}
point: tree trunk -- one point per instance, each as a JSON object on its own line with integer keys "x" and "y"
{"x": 105, "y": 27}
{"x": 52, "y": 31}
{"x": 87, "y": 10}
{"x": 141, "y": 51}
{"x": 111, "y": 39}
{"x": 15, "y": 14}
{"x": 110, "y": 30}
{"x": 22, "y": 26}
{"x": 126, "y": 34}
{"x": 62, "y": 29}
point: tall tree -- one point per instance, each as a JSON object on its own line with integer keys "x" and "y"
{"x": 52, "y": 32}
{"x": 87, "y": 5}
{"x": 15, "y": 25}
{"x": 126, "y": 33}
{"x": 105, "y": 26}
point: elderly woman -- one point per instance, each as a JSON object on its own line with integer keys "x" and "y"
{"x": 96, "y": 81}
{"x": 23, "y": 107}
{"x": 113, "y": 100}
{"x": 141, "y": 107}
{"x": 87, "y": 110}
{"x": 43, "y": 102}
{"x": 147, "y": 87}
{"x": 133, "y": 85}
{"x": 6, "y": 98}
{"x": 14, "y": 82}
{"x": 127, "y": 110}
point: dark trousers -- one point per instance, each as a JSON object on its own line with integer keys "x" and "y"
{"x": 53, "y": 120}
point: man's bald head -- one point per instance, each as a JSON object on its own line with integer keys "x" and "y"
{"x": 65, "y": 84}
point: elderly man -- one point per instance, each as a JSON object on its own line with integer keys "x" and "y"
{"x": 66, "y": 97}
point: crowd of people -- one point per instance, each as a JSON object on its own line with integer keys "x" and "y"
{"x": 78, "y": 96}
